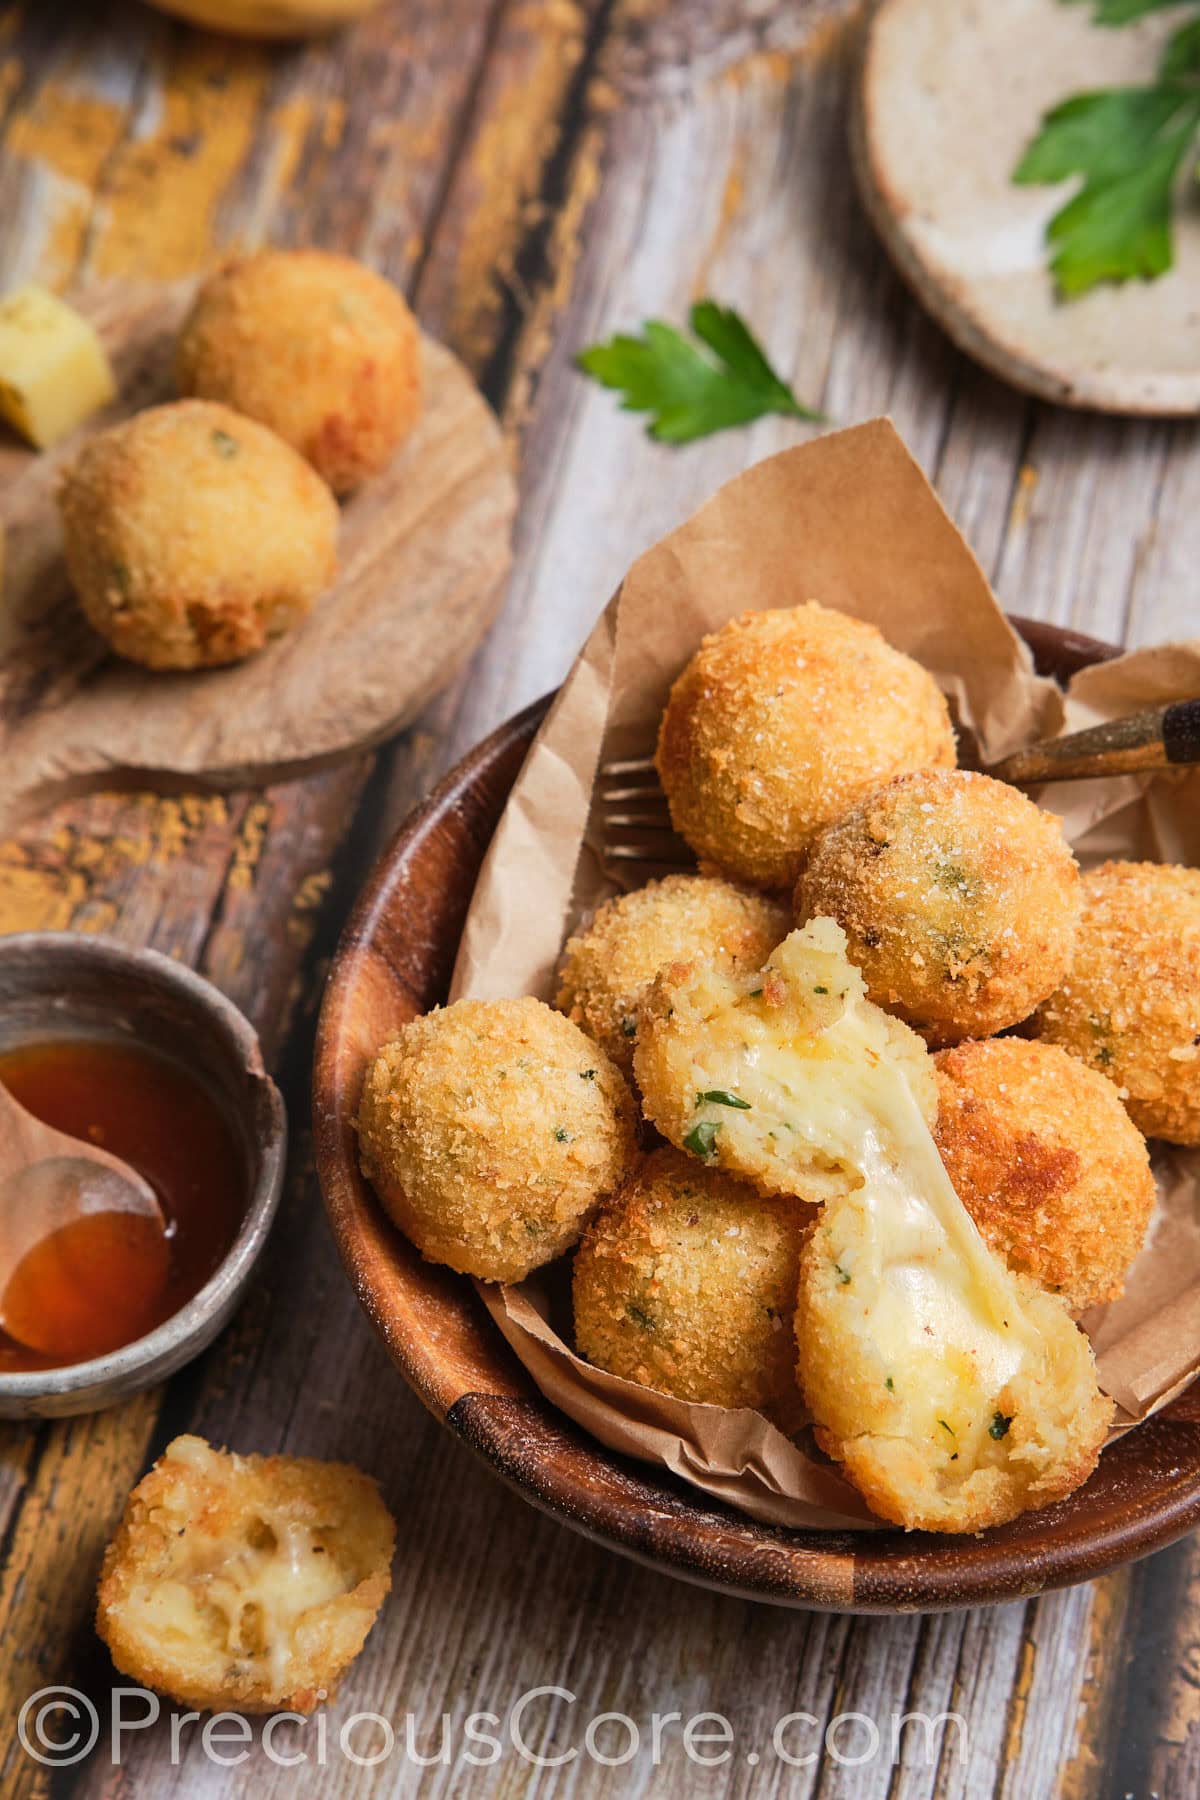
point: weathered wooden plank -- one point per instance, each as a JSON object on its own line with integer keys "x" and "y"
{"x": 609, "y": 161}
{"x": 145, "y": 161}
{"x": 740, "y": 190}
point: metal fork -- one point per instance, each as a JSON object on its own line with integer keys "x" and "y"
{"x": 639, "y": 843}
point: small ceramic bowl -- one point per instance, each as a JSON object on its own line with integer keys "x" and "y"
{"x": 395, "y": 960}
{"x": 60, "y": 984}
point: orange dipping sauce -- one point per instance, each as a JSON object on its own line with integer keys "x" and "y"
{"x": 109, "y": 1278}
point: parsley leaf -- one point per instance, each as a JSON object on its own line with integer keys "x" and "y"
{"x": 691, "y": 393}
{"x": 1123, "y": 12}
{"x": 1129, "y": 145}
{"x": 701, "y": 1140}
{"x": 1181, "y": 58}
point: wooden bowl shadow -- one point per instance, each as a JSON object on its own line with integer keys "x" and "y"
{"x": 395, "y": 960}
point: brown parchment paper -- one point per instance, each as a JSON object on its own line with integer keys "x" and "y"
{"x": 849, "y": 520}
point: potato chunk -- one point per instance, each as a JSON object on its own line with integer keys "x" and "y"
{"x": 244, "y": 1581}
{"x": 53, "y": 372}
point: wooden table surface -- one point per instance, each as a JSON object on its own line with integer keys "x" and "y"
{"x": 536, "y": 173}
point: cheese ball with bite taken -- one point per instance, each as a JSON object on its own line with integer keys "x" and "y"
{"x": 608, "y": 966}
{"x": 1130, "y": 1004}
{"x": 315, "y": 345}
{"x": 1047, "y": 1162}
{"x": 782, "y": 720}
{"x": 193, "y": 536}
{"x": 958, "y": 896}
{"x": 954, "y": 1394}
{"x": 491, "y": 1131}
{"x": 246, "y": 1582}
{"x": 750, "y": 1071}
{"x": 686, "y": 1282}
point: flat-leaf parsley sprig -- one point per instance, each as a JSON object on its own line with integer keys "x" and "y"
{"x": 1129, "y": 145}
{"x": 693, "y": 390}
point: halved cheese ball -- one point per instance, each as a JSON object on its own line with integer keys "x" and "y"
{"x": 245, "y": 1582}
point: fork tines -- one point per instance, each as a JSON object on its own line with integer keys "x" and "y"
{"x": 638, "y": 838}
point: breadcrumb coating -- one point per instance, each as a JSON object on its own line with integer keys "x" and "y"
{"x": 492, "y": 1130}
{"x": 958, "y": 896}
{"x": 748, "y": 1070}
{"x": 1130, "y": 1004}
{"x": 1047, "y": 1162}
{"x": 193, "y": 536}
{"x": 245, "y": 1582}
{"x": 935, "y": 1445}
{"x": 686, "y": 1282}
{"x": 782, "y": 720}
{"x": 315, "y": 345}
{"x": 608, "y": 967}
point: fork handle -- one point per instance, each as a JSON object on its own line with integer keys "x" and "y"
{"x": 1161, "y": 738}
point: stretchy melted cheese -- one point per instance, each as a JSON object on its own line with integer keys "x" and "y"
{"x": 954, "y": 1392}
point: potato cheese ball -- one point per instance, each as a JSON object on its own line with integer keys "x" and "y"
{"x": 954, "y": 1399}
{"x": 608, "y": 967}
{"x": 782, "y": 720}
{"x": 321, "y": 349}
{"x": 245, "y": 1582}
{"x": 492, "y": 1130}
{"x": 1047, "y": 1162}
{"x": 686, "y": 1282}
{"x": 1130, "y": 1004}
{"x": 958, "y": 896}
{"x": 193, "y": 535}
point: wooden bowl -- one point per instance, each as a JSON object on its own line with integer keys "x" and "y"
{"x": 394, "y": 961}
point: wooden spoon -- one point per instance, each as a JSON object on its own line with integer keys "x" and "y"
{"x": 83, "y": 1241}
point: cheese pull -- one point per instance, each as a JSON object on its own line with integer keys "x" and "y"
{"x": 955, "y": 1393}
{"x": 54, "y": 373}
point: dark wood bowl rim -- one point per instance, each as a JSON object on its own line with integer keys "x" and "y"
{"x": 646, "y": 1514}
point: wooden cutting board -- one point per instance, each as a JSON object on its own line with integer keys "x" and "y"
{"x": 424, "y": 550}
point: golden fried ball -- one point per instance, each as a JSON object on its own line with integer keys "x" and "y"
{"x": 193, "y": 535}
{"x": 608, "y": 967}
{"x": 492, "y": 1130}
{"x": 958, "y": 896}
{"x": 1130, "y": 1005}
{"x": 933, "y": 1433}
{"x": 321, "y": 349}
{"x": 780, "y": 721}
{"x": 686, "y": 1282}
{"x": 245, "y": 1582}
{"x": 751, "y": 1072}
{"x": 1047, "y": 1162}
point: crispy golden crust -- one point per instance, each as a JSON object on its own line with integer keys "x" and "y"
{"x": 912, "y": 1467}
{"x": 686, "y": 1283}
{"x": 492, "y": 1130}
{"x": 959, "y": 898}
{"x": 1130, "y": 1004}
{"x": 764, "y": 1038}
{"x": 193, "y": 535}
{"x": 316, "y": 346}
{"x": 244, "y": 1581}
{"x": 779, "y": 722}
{"x": 608, "y": 967}
{"x": 1047, "y": 1162}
